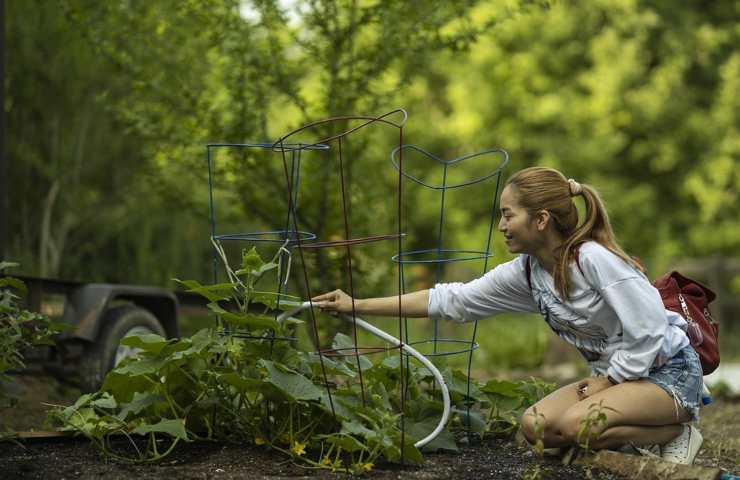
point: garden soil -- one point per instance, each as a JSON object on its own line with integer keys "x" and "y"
{"x": 494, "y": 457}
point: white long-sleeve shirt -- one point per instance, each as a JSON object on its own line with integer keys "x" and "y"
{"x": 614, "y": 316}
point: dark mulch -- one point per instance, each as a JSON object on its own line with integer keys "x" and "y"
{"x": 70, "y": 458}
{"x": 494, "y": 458}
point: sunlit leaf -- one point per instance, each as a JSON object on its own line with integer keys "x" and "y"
{"x": 148, "y": 342}
{"x": 214, "y": 293}
{"x": 140, "y": 401}
{"x": 174, "y": 428}
{"x": 444, "y": 441}
{"x": 294, "y": 385}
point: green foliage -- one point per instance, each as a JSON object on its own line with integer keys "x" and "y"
{"x": 593, "y": 422}
{"x": 509, "y": 400}
{"x": 20, "y": 329}
{"x": 618, "y": 95}
{"x": 260, "y": 390}
{"x": 109, "y": 105}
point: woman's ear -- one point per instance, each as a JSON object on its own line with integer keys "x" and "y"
{"x": 542, "y": 219}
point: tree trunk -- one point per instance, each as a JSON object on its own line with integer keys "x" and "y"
{"x": 45, "y": 243}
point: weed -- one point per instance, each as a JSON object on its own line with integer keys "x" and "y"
{"x": 595, "y": 418}
{"x": 539, "y": 432}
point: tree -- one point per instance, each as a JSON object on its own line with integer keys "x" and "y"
{"x": 636, "y": 97}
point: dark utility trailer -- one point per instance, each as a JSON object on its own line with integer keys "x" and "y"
{"x": 99, "y": 316}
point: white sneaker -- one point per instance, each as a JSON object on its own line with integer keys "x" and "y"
{"x": 684, "y": 447}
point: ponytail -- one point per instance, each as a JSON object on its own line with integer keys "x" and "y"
{"x": 541, "y": 188}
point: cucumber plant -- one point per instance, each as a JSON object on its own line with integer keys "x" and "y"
{"x": 216, "y": 386}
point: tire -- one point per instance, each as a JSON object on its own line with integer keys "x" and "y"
{"x": 100, "y": 357}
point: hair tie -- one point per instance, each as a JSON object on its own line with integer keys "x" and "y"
{"x": 575, "y": 187}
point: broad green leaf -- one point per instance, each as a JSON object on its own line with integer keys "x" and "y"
{"x": 82, "y": 420}
{"x": 444, "y": 441}
{"x": 534, "y": 389}
{"x": 345, "y": 441}
{"x": 174, "y": 428}
{"x": 357, "y": 428}
{"x": 83, "y": 400}
{"x": 105, "y": 401}
{"x": 193, "y": 346}
{"x": 502, "y": 387}
{"x": 140, "y": 401}
{"x": 457, "y": 382}
{"x": 425, "y": 406}
{"x": 380, "y": 396}
{"x": 342, "y": 341}
{"x": 339, "y": 409}
{"x": 505, "y": 403}
{"x": 147, "y": 366}
{"x": 472, "y": 419}
{"x": 275, "y": 300}
{"x": 345, "y": 346}
{"x": 295, "y": 386}
{"x": 241, "y": 383}
{"x": 393, "y": 362}
{"x": 124, "y": 386}
{"x": 410, "y": 452}
{"x": 214, "y": 293}
{"x": 246, "y": 320}
{"x": 331, "y": 367}
{"x": 149, "y": 342}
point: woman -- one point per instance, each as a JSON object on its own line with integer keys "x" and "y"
{"x": 646, "y": 378}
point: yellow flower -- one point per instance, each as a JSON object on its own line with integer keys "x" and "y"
{"x": 326, "y": 460}
{"x": 298, "y": 448}
{"x": 367, "y": 466}
{"x": 259, "y": 441}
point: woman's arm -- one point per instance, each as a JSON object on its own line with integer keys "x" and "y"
{"x": 414, "y": 304}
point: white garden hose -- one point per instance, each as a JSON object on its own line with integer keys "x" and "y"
{"x": 410, "y": 350}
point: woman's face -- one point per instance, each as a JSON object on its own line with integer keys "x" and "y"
{"x": 518, "y": 227}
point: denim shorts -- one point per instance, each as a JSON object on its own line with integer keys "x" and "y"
{"x": 681, "y": 377}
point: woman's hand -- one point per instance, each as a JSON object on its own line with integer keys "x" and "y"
{"x": 336, "y": 301}
{"x": 591, "y": 386}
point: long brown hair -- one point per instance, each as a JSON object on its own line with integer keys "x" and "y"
{"x": 542, "y": 188}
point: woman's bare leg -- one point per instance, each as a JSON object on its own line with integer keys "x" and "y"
{"x": 639, "y": 412}
{"x": 539, "y": 420}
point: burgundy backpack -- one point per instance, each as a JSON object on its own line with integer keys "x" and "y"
{"x": 691, "y": 300}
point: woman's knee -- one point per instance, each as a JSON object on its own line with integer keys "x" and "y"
{"x": 576, "y": 427}
{"x": 569, "y": 427}
{"x": 533, "y": 425}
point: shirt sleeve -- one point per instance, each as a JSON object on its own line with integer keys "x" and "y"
{"x": 639, "y": 308}
{"x": 503, "y": 289}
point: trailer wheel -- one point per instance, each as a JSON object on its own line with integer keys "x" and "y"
{"x": 100, "y": 357}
